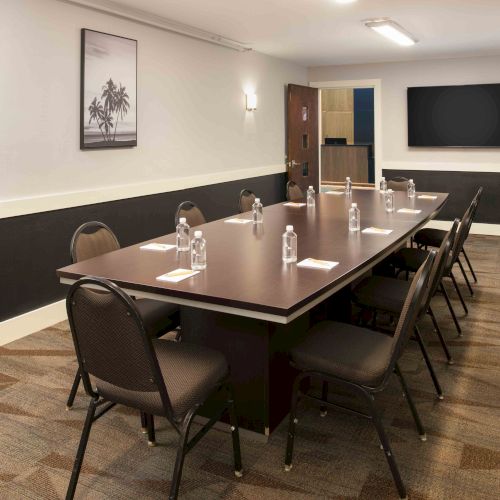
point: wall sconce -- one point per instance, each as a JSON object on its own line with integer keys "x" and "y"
{"x": 251, "y": 102}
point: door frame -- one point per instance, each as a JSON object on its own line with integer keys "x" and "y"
{"x": 376, "y": 85}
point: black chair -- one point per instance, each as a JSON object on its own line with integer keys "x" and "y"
{"x": 293, "y": 191}
{"x": 380, "y": 293}
{"x": 359, "y": 361}
{"x": 156, "y": 377}
{"x": 398, "y": 184}
{"x": 429, "y": 237}
{"x": 408, "y": 260}
{"x": 96, "y": 238}
{"x": 193, "y": 215}
{"x": 246, "y": 200}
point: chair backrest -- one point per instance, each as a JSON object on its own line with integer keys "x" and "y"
{"x": 246, "y": 200}
{"x": 91, "y": 240}
{"x": 194, "y": 216}
{"x": 111, "y": 342}
{"x": 398, "y": 184}
{"x": 438, "y": 268}
{"x": 293, "y": 191}
{"x": 409, "y": 313}
{"x": 462, "y": 233}
{"x": 475, "y": 201}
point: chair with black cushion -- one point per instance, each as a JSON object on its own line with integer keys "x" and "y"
{"x": 95, "y": 238}
{"x": 408, "y": 260}
{"x": 155, "y": 376}
{"x": 193, "y": 215}
{"x": 293, "y": 191}
{"x": 380, "y": 293}
{"x": 358, "y": 361}
{"x": 429, "y": 237}
{"x": 398, "y": 184}
{"x": 246, "y": 200}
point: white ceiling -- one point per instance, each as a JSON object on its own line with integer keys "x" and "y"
{"x": 322, "y": 32}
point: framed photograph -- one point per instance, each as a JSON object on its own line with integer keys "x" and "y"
{"x": 108, "y": 93}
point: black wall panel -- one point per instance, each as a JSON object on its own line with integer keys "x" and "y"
{"x": 33, "y": 246}
{"x": 462, "y": 187}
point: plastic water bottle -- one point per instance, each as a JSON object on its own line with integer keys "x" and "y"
{"x": 311, "y": 201}
{"x": 183, "y": 239}
{"x": 411, "y": 189}
{"x": 257, "y": 213}
{"x": 354, "y": 218}
{"x": 289, "y": 245}
{"x": 198, "y": 252}
{"x": 383, "y": 185}
{"x": 348, "y": 186}
{"x": 389, "y": 200}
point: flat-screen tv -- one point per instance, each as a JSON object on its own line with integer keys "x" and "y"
{"x": 454, "y": 116}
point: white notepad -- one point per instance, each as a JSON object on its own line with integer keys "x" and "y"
{"x": 177, "y": 275}
{"x": 376, "y": 230}
{"x": 338, "y": 193}
{"x": 293, "y": 204}
{"x": 408, "y": 211}
{"x": 317, "y": 264}
{"x": 157, "y": 247}
{"x": 238, "y": 221}
{"x": 426, "y": 197}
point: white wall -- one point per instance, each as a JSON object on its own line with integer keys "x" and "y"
{"x": 192, "y": 123}
{"x": 395, "y": 78}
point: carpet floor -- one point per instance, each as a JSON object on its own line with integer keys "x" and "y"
{"x": 335, "y": 457}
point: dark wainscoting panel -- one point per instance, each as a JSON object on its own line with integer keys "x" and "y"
{"x": 34, "y": 246}
{"x": 462, "y": 187}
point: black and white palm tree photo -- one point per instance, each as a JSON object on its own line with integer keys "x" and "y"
{"x": 108, "y": 91}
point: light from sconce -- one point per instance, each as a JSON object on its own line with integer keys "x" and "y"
{"x": 251, "y": 102}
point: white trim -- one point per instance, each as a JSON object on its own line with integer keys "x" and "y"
{"x": 32, "y": 321}
{"x": 442, "y": 166}
{"x": 57, "y": 201}
{"x": 476, "y": 228}
{"x": 376, "y": 84}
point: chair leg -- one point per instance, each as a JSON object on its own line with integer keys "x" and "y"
{"x": 235, "y": 434}
{"x": 144, "y": 423}
{"x": 440, "y": 336}
{"x": 411, "y": 404}
{"x": 291, "y": 424}
{"x": 386, "y": 447}
{"x": 181, "y": 453}
{"x": 324, "y": 396}
{"x": 471, "y": 291}
{"x": 81, "y": 450}
{"x": 459, "y": 293}
{"x": 74, "y": 389}
{"x": 452, "y": 312}
{"x": 470, "y": 265}
{"x": 150, "y": 424}
{"x": 429, "y": 363}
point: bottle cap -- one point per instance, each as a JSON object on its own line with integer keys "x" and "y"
{"x": 182, "y": 220}
{"x": 354, "y": 205}
{"x": 389, "y": 190}
{"x": 347, "y": 178}
{"x": 257, "y": 200}
{"x": 382, "y": 178}
{"x": 411, "y": 180}
{"x": 289, "y": 228}
{"x": 310, "y": 187}
{"x": 198, "y": 234}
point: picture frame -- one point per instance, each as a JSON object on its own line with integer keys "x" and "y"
{"x": 108, "y": 91}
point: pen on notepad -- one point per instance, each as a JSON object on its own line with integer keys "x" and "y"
{"x": 178, "y": 273}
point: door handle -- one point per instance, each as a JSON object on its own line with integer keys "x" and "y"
{"x": 292, "y": 163}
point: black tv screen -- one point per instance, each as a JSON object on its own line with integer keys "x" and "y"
{"x": 454, "y": 116}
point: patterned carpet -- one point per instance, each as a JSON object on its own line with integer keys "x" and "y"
{"x": 336, "y": 457}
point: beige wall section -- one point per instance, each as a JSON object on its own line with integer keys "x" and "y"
{"x": 395, "y": 78}
{"x": 337, "y": 112}
{"x": 191, "y": 105}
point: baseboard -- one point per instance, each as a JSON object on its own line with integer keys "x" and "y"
{"x": 476, "y": 228}
{"x": 32, "y": 321}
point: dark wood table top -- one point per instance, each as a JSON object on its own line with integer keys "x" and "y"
{"x": 245, "y": 274}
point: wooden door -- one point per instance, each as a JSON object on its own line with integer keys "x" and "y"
{"x": 302, "y": 136}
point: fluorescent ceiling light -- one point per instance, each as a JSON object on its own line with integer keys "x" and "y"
{"x": 392, "y": 30}
{"x": 345, "y": 1}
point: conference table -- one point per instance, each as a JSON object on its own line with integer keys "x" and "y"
{"x": 250, "y": 305}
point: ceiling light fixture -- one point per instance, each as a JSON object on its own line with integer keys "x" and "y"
{"x": 345, "y": 1}
{"x": 391, "y": 30}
